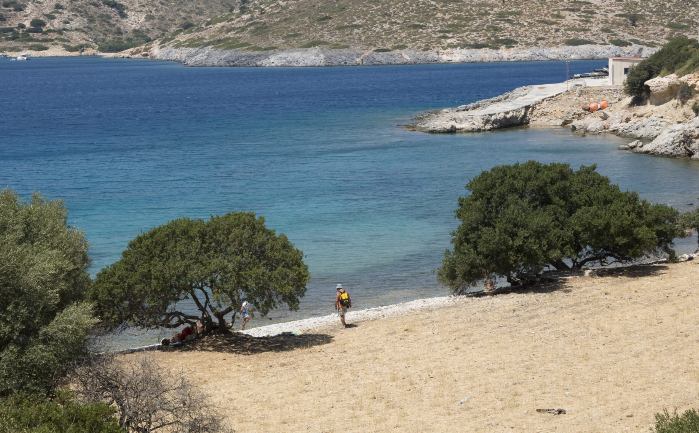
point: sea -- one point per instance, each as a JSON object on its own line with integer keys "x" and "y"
{"x": 321, "y": 153}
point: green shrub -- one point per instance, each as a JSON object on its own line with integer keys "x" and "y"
{"x": 2, "y": 18}
{"x": 186, "y": 25}
{"x": 576, "y": 42}
{"x": 292, "y": 35}
{"x": 116, "y": 45}
{"x": 37, "y": 47}
{"x": 50, "y": 16}
{"x": 399, "y": 47}
{"x": 519, "y": 219}
{"x": 416, "y": 26}
{"x": 632, "y": 17}
{"x": 71, "y": 48}
{"x": 25, "y": 413}
{"x": 695, "y": 108}
{"x": 314, "y": 44}
{"x": 43, "y": 322}
{"x": 18, "y": 8}
{"x": 507, "y": 42}
{"x": 34, "y": 30}
{"x": 678, "y": 54}
{"x": 620, "y": 42}
{"x": 676, "y": 26}
{"x": 607, "y": 30}
{"x": 382, "y": 50}
{"x": 688, "y": 422}
{"x": 686, "y": 92}
{"x": 36, "y": 22}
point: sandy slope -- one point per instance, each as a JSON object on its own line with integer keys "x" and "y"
{"x": 611, "y": 350}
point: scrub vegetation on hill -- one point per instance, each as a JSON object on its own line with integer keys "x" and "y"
{"x": 386, "y": 25}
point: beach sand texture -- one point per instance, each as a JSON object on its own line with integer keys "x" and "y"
{"x": 612, "y": 350}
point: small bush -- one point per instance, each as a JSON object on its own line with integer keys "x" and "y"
{"x": 576, "y": 42}
{"x": 18, "y": 8}
{"x": 2, "y": 18}
{"x": 695, "y": 108}
{"x": 676, "y": 26}
{"x": 292, "y": 35}
{"x": 607, "y": 30}
{"x": 507, "y": 42}
{"x": 686, "y": 92}
{"x": 688, "y": 422}
{"x": 399, "y": 47}
{"x": 186, "y": 25}
{"x": 71, "y": 48}
{"x": 37, "y": 47}
{"x": 619, "y": 42}
{"x": 24, "y": 413}
{"x": 314, "y": 44}
{"x": 36, "y": 22}
{"x": 324, "y": 19}
{"x": 58, "y": 6}
{"x": 382, "y": 50}
{"x": 50, "y": 16}
{"x": 416, "y": 26}
{"x": 34, "y": 30}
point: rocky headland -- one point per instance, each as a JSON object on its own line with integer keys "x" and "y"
{"x": 314, "y": 57}
{"x": 665, "y": 125}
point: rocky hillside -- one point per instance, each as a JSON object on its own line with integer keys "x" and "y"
{"x": 64, "y": 26}
{"x": 431, "y": 25}
{"x": 368, "y": 25}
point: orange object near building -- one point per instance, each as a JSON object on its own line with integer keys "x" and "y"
{"x": 601, "y": 106}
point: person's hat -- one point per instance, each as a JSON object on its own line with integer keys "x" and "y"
{"x": 339, "y": 286}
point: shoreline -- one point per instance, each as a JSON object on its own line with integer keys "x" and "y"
{"x": 320, "y": 57}
{"x": 610, "y": 348}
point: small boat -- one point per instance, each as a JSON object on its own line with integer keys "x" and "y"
{"x": 3, "y": 55}
{"x": 23, "y": 56}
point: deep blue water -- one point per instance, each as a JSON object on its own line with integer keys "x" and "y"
{"x": 132, "y": 144}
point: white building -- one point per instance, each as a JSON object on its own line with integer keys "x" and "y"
{"x": 619, "y": 68}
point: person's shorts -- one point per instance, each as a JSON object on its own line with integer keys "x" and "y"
{"x": 245, "y": 315}
{"x": 342, "y": 311}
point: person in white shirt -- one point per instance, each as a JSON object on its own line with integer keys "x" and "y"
{"x": 245, "y": 311}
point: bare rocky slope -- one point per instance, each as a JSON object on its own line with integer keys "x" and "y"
{"x": 264, "y": 31}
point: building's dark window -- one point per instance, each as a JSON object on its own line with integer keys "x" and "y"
{"x": 626, "y": 71}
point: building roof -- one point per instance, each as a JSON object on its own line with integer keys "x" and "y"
{"x": 628, "y": 58}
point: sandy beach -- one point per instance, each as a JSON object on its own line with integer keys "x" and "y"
{"x": 612, "y": 349}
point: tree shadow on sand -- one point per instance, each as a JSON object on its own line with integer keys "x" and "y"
{"x": 558, "y": 281}
{"x": 242, "y": 344}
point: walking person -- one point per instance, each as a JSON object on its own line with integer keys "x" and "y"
{"x": 342, "y": 303}
{"x": 245, "y": 311}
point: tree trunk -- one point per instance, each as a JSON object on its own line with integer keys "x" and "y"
{"x": 222, "y": 327}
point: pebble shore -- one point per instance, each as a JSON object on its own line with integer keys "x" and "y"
{"x": 314, "y": 323}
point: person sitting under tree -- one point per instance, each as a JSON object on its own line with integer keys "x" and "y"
{"x": 342, "y": 303}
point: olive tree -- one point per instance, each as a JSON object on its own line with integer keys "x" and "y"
{"x": 44, "y": 323}
{"x": 212, "y": 266}
{"x": 521, "y": 219}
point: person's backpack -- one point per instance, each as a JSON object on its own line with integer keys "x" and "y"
{"x": 344, "y": 299}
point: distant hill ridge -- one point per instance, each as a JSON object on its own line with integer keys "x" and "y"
{"x": 358, "y": 25}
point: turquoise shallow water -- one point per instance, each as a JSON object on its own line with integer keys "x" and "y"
{"x": 133, "y": 144}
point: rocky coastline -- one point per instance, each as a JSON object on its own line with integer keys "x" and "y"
{"x": 318, "y": 57}
{"x": 665, "y": 125}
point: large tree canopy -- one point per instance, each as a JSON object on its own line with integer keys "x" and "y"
{"x": 43, "y": 279}
{"x": 520, "y": 219}
{"x": 214, "y": 265}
